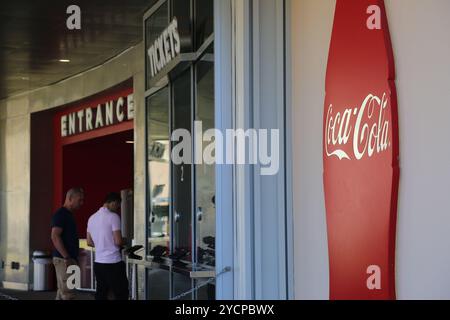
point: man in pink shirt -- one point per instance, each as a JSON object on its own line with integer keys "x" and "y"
{"x": 104, "y": 233}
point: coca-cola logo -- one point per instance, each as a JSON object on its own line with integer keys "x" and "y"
{"x": 362, "y": 131}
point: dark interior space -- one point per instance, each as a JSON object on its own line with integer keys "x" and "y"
{"x": 99, "y": 166}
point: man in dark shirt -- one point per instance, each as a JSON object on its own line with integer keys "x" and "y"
{"x": 65, "y": 240}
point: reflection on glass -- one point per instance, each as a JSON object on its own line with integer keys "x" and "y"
{"x": 182, "y": 173}
{"x": 204, "y": 25}
{"x": 154, "y": 27}
{"x": 177, "y": 228}
{"x": 158, "y": 154}
{"x": 181, "y": 283}
{"x": 158, "y": 284}
{"x": 151, "y": 3}
{"x": 206, "y": 292}
{"x": 205, "y": 173}
{"x": 181, "y": 9}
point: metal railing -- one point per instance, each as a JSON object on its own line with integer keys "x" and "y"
{"x": 194, "y": 273}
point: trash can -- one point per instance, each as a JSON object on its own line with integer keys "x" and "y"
{"x": 43, "y": 271}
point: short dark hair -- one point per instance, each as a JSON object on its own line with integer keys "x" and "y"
{"x": 113, "y": 197}
{"x": 74, "y": 191}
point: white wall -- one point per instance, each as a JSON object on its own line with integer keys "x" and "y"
{"x": 311, "y": 33}
{"x": 420, "y": 36}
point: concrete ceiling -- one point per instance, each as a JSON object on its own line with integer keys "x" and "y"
{"x": 34, "y": 38}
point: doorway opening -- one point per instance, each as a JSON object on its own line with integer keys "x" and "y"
{"x": 89, "y": 145}
{"x": 99, "y": 166}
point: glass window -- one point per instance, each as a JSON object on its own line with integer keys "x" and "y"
{"x": 158, "y": 153}
{"x": 154, "y": 27}
{"x": 181, "y": 9}
{"x": 205, "y": 173}
{"x": 152, "y": 3}
{"x": 204, "y": 21}
{"x": 181, "y": 220}
{"x": 206, "y": 292}
{"x": 182, "y": 190}
{"x": 182, "y": 283}
{"x": 158, "y": 284}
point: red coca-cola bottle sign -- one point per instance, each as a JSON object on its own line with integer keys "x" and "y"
{"x": 361, "y": 152}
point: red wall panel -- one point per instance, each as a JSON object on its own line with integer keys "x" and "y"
{"x": 99, "y": 166}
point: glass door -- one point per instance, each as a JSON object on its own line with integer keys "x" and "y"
{"x": 159, "y": 201}
{"x": 205, "y": 225}
{"x": 180, "y": 194}
{"x": 182, "y": 184}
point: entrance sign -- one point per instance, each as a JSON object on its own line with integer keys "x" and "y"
{"x": 361, "y": 153}
{"x": 103, "y": 115}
